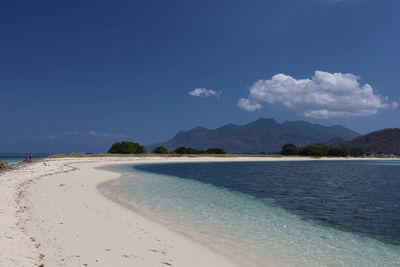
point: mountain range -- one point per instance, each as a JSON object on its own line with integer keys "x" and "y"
{"x": 264, "y": 134}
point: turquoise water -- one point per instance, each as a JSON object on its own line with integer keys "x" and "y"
{"x": 17, "y": 157}
{"x": 252, "y": 228}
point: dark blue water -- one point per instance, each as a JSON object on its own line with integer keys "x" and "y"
{"x": 354, "y": 196}
{"x": 16, "y": 157}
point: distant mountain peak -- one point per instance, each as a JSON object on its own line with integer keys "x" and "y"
{"x": 263, "y": 121}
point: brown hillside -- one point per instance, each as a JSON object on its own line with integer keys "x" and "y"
{"x": 386, "y": 141}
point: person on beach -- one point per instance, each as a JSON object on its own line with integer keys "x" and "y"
{"x": 26, "y": 156}
{"x": 30, "y": 156}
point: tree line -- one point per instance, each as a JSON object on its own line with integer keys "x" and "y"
{"x": 128, "y": 147}
{"x": 189, "y": 150}
{"x": 320, "y": 150}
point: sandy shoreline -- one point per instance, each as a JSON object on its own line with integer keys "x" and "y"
{"x": 52, "y": 213}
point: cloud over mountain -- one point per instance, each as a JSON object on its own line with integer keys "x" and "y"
{"x": 325, "y": 95}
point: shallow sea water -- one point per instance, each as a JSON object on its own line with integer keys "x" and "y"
{"x": 17, "y": 157}
{"x": 277, "y": 213}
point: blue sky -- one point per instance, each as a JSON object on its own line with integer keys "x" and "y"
{"x": 78, "y": 75}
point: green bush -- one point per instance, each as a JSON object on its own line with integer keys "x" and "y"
{"x": 126, "y": 147}
{"x": 187, "y": 150}
{"x": 215, "y": 151}
{"x": 356, "y": 152}
{"x": 160, "y": 150}
{"x": 337, "y": 152}
{"x": 289, "y": 149}
{"x": 317, "y": 150}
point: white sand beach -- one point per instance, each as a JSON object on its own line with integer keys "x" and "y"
{"x": 52, "y": 213}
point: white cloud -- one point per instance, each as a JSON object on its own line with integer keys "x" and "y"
{"x": 325, "y": 95}
{"x": 98, "y": 134}
{"x": 204, "y": 92}
{"x": 247, "y": 105}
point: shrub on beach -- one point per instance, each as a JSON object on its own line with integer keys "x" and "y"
{"x": 357, "y": 152}
{"x": 338, "y": 152}
{"x": 319, "y": 150}
{"x": 126, "y": 147}
{"x": 187, "y": 150}
{"x": 316, "y": 150}
{"x": 289, "y": 149}
{"x": 160, "y": 150}
{"x": 215, "y": 151}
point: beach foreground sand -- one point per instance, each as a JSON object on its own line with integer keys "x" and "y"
{"x": 53, "y": 213}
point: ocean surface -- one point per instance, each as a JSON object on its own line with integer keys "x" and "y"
{"x": 314, "y": 213}
{"x": 16, "y": 157}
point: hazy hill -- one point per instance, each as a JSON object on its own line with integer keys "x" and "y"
{"x": 261, "y": 135}
{"x": 386, "y": 141}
